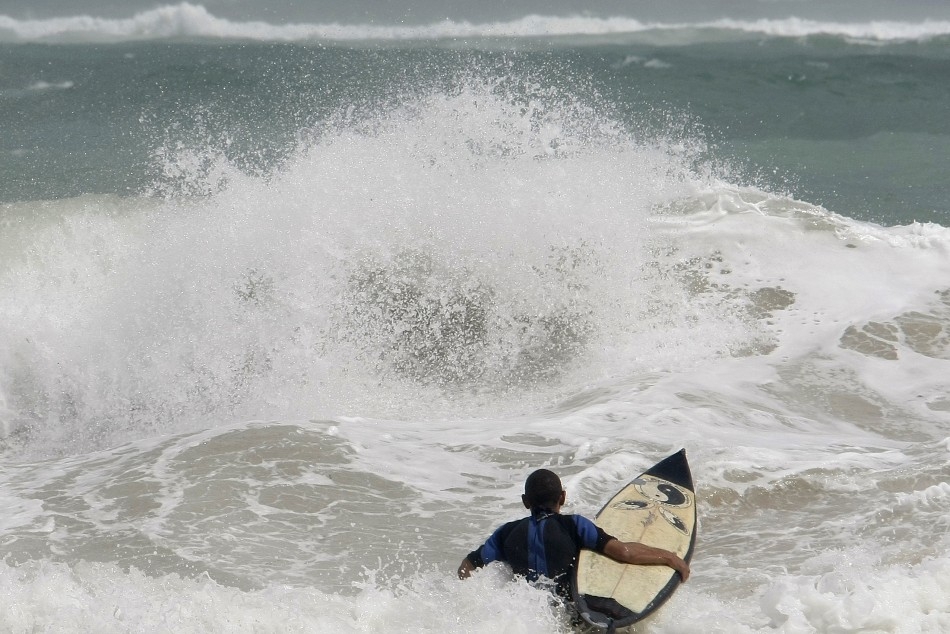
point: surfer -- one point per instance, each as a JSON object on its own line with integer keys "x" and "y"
{"x": 547, "y": 544}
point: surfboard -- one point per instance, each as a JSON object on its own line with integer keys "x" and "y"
{"x": 657, "y": 508}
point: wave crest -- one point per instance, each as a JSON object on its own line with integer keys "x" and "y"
{"x": 186, "y": 20}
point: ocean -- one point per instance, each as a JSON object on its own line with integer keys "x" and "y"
{"x": 291, "y": 306}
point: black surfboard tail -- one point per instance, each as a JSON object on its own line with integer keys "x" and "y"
{"x": 674, "y": 469}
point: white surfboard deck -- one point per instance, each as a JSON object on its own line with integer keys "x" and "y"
{"x": 656, "y": 510}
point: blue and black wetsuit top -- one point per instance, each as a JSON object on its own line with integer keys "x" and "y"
{"x": 544, "y": 545}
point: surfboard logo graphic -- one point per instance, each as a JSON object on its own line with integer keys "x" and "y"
{"x": 658, "y": 494}
{"x": 632, "y": 505}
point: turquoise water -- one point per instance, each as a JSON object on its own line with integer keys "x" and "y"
{"x": 859, "y": 128}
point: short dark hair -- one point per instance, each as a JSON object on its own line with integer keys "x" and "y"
{"x": 542, "y": 489}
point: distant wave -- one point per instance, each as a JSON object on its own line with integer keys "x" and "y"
{"x": 45, "y": 85}
{"x": 187, "y": 20}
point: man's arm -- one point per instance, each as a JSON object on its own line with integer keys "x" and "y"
{"x": 641, "y": 554}
{"x": 488, "y": 552}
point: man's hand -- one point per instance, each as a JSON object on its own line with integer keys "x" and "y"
{"x": 466, "y": 568}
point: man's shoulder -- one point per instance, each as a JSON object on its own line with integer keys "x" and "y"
{"x": 507, "y": 527}
{"x": 579, "y": 520}
{"x": 577, "y": 524}
{"x": 591, "y": 535}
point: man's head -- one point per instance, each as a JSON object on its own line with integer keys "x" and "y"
{"x": 543, "y": 490}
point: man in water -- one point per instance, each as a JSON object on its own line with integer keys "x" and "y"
{"x": 547, "y": 544}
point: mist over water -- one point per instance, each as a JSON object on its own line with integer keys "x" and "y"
{"x": 455, "y": 253}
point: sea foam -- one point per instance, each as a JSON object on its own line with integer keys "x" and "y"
{"x": 186, "y": 20}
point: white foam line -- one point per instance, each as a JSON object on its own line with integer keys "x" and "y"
{"x": 192, "y": 20}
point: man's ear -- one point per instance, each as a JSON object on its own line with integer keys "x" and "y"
{"x": 524, "y": 500}
{"x": 562, "y": 499}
